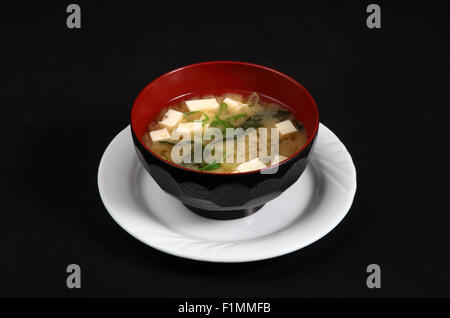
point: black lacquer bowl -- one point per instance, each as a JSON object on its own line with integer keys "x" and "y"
{"x": 223, "y": 196}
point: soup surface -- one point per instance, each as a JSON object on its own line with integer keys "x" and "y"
{"x": 222, "y": 112}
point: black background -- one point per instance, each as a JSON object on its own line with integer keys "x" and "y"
{"x": 67, "y": 93}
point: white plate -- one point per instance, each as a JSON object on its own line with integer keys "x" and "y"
{"x": 304, "y": 213}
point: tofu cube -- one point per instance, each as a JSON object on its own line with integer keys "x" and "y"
{"x": 172, "y": 137}
{"x": 160, "y": 134}
{"x": 251, "y": 165}
{"x": 277, "y": 159}
{"x": 286, "y": 127}
{"x": 204, "y": 105}
{"x": 171, "y": 118}
{"x": 190, "y": 127}
{"x": 233, "y": 105}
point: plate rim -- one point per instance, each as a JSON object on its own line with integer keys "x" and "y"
{"x": 294, "y": 246}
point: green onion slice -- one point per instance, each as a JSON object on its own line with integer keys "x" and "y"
{"x": 204, "y": 120}
{"x": 223, "y": 106}
{"x": 222, "y": 122}
{"x": 210, "y": 166}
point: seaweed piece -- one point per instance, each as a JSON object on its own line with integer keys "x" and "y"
{"x": 251, "y": 123}
{"x": 167, "y": 142}
{"x": 255, "y": 121}
{"x": 298, "y": 125}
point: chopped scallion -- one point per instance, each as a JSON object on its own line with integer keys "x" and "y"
{"x": 221, "y": 122}
{"x": 223, "y": 106}
{"x": 210, "y": 166}
{"x": 204, "y": 120}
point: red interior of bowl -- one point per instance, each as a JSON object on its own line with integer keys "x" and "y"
{"x": 220, "y": 77}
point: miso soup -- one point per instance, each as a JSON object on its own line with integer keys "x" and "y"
{"x": 201, "y": 115}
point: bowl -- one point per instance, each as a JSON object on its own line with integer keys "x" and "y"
{"x": 209, "y": 194}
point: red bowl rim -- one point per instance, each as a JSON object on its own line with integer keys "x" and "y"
{"x": 310, "y": 139}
